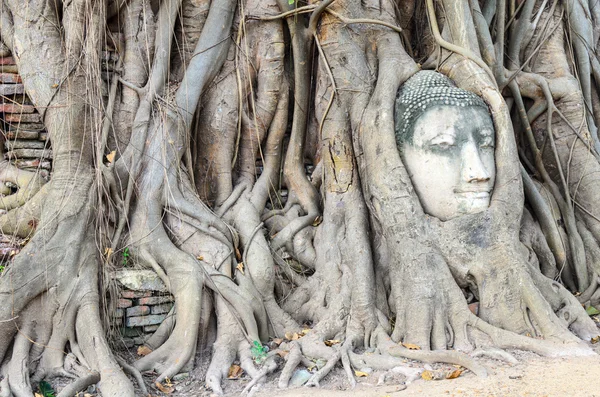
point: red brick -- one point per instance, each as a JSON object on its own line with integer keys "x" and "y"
{"x": 155, "y": 300}
{"x": 7, "y": 61}
{"x": 138, "y": 311}
{"x": 160, "y": 309}
{"x": 23, "y": 118}
{"x": 124, "y": 303}
{"x": 16, "y": 108}
{"x": 9, "y": 69}
{"x": 11, "y": 89}
{"x": 135, "y": 294}
{"x": 10, "y": 78}
{"x": 144, "y": 320}
{"x": 22, "y": 134}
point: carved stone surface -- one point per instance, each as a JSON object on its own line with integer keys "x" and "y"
{"x": 445, "y": 136}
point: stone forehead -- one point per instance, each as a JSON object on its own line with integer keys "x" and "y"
{"x": 427, "y": 89}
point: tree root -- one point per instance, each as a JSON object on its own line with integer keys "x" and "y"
{"x": 80, "y": 384}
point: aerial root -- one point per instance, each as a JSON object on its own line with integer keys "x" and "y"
{"x": 496, "y": 354}
{"x": 132, "y": 371}
{"x": 269, "y": 366}
{"x": 320, "y": 374}
{"x": 293, "y": 358}
{"x": 80, "y": 384}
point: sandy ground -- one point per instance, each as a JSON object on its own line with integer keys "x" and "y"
{"x": 532, "y": 376}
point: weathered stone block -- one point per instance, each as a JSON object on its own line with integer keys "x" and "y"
{"x": 10, "y": 78}
{"x": 144, "y": 320}
{"x": 128, "y": 342}
{"x": 140, "y": 280}
{"x": 124, "y": 303}
{"x": 160, "y": 309}
{"x": 117, "y": 313}
{"x": 139, "y": 340}
{"x": 135, "y": 294}
{"x": 11, "y": 89}
{"x": 138, "y": 311}
{"x": 7, "y": 60}
{"x": 155, "y": 300}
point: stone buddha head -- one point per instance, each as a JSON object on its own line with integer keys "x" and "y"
{"x": 445, "y": 136}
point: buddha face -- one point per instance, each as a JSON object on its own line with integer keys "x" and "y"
{"x": 450, "y": 159}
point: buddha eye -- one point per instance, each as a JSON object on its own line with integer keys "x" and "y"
{"x": 443, "y": 142}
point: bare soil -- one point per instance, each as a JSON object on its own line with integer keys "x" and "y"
{"x": 532, "y": 376}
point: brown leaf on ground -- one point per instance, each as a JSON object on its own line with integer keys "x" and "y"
{"x": 332, "y": 342}
{"x": 164, "y": 389}
{"x": 596, "y": 339}
{"x": 143, "y": 351}
{"x": 235, "y": 371}
{"x": 361, "y": 374}
{"x": 411, "y": 346}
{"x": 282, "y": 353}
{"x": 278, "y": 341}
{"x": 454, "y": 374}
{"x": 427, "y": 375}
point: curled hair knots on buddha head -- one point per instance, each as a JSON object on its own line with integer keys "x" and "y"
{"x": 423, "y": 91}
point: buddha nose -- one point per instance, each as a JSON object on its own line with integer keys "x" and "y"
{"x": 473, "y": 169}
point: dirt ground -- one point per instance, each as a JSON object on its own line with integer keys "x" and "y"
{"x": 532, "y": 376}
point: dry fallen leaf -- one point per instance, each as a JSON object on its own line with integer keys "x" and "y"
{"x": 282, "y": 353}
{"x": 278, "y": 341}
{"x": 200, "y": 258}
{"x": 454, "y": 374}
{"x": 238, "y": 254}
{"x": 143, "y": 351}
{"x": 235, "y": 371}
{"x": 38, "y": 395}
{"x": 427, "y": 375}
{"x": 411, "y": 346}
{"x": 240, "y": 267}
{"x": 111, "y": 156}
{"x": 305, "y": 331}
{"x": 331, "y": 342}
{"x": 108, "y": 252}
{"x": 596, "y": 339}
{"x": 361, "y": 374}
{"x": 164, "y": 389}
{"x": 288, "y": 335}
{"x": 317, "y": 221}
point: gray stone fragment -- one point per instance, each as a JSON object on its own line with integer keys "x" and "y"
{"x": 300, "y": 377}
{"x": 140, "y": 280}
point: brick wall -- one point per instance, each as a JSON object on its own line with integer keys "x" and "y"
{"x": 24, "y": 139}
{"x": 142, "y": 305}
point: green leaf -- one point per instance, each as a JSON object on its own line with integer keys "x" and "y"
{"x": 290, "y": 2}
{"x": 592, "y": 311}
{"x": 45, "y": 389}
